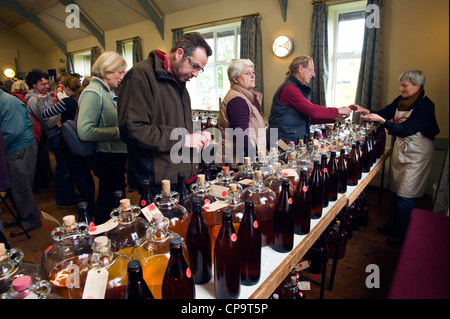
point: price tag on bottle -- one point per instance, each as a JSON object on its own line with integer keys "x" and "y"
{"x": 95, "y": 286}
{"x": 103, "y": 228}
{"x": 149, "y": 210}
{"x": 218, "y": 191}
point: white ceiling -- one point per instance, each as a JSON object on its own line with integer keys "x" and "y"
{"x": 103, "y": 15}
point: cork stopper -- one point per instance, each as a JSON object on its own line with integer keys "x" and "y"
{"x": 291, "y": 143}
{"x": 303, "y": 149}
{"x": 2, "y": 249}
{"x": 261, "y": 153}
{"x": 101, "y": 241}
{"x": 232, "y": 187}
{"x": 125, "y": 203}
{"x": 247, "y": 160}
{"x": 300, "y": 141}
{"x": 258, "y": 174}
{"x": 292, "y": 156}
{"x": 165, "y": 186}
{"x": 276, "y": 164}
{"x": 225, "y": 169}
{"x": 69, "y": 220}
{"x": 201, "y": 179}
{"x": 157, "y": 217}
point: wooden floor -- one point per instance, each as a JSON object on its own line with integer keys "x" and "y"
{"x": 366, "y": 247}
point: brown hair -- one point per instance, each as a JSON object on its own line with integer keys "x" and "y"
{"x": 74, "y": 84}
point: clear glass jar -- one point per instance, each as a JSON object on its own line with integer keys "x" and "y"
{"x": 130, "y": 227}
{"x": 68, "y": 255}
{"x": 275, "y": 180}
{"x": 263, "y": 164}
{"x": 23, "y": 287}
{"x": 153, "y": 252}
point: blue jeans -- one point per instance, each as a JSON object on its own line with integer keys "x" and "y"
{"x": 64, "y": 184}
{"x": 400, "y": 212}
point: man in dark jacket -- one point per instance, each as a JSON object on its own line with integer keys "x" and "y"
{"x": 155, "y": 116}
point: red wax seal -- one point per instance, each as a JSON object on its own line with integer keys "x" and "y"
{"x": 143, "y": 202}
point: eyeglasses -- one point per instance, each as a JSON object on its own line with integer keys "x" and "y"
{"x": 195, "y": 66}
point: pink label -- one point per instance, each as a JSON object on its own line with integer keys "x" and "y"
{"x": 290, "y": 201}
{"x": 143, "y": 202}
{"x": 188, "y": 272}
{"x": 325, "y": 170}
{"x": 224, "y": 193}
{"x": 206, "y": 201}
{"x": 255, "y": 224}
{"x": 233, "y": 237}
{"x": 152, "y": 206}
{"x": 305, "y": 188}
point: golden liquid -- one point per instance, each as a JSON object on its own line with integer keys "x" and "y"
{"x": 153, "y": 270}
{"x": 126, "y": 251}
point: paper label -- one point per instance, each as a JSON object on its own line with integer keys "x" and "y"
{"x": 149, "y": 210}
{"x": 289, "y": 172}
{"x": 218, "y": 191}
{"x": 246, "y": 181}
{"x": 282, "y": 145}
{"x": 103, "y": 228}
{"x": 215, "y": 206}
{"x": 96, "y": 282}
{"x": 50, "y": 217}
{"x": 304, "y": 285}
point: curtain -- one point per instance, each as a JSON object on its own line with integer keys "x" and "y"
{"x": 137, "y": 50}
{"x": 119, "y": 47}
{"x": 69, "y": 63}
{"x": 95, "y": 53}
{"x": 251, "y": 48}
{"x": 440, "y": 201}
{"x": 176, "y": 34}
{"x": 370, "y": 79}
{"x": 319, "y": 53}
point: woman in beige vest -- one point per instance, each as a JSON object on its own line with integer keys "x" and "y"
{"x": 241, "y": 119}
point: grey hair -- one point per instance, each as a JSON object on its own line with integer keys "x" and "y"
{"x": 415, "y": 76}
{"x": 236, "y": 68}
{"x": 300, "y": 60}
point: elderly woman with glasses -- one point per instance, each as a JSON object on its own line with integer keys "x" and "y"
{"x": 241, "y": 119}
{"x": 414, "y": 126}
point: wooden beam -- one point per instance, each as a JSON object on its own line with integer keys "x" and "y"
{"x": 283, "y": 6}
{"x": 154, "y": 16}
{"x": 85, "y": 21}
{"x": 14, "y": 6}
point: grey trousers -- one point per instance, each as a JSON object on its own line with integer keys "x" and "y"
{"x": 22, "y": 166}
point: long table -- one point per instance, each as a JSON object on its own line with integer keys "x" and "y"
{"x": 276, "y": 266}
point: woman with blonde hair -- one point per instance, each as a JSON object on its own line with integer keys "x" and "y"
{"x": 98, "y": 122}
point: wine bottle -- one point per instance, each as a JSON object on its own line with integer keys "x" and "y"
{"x": 136, "y": 286}
{"x": 302, "y": 202}
{"x": 316, "y": 187}
{"x": 283, "y": 221}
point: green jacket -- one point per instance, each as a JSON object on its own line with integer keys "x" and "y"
{"x": 96, "y": 123}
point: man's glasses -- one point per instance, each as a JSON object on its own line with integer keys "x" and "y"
{"x": 195, "y": 66}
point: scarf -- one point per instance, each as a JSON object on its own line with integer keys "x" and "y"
{"x": 405, "y": 103}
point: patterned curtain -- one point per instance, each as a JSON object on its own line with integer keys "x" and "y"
{"x": 137, "y": 50}
{"x": 251, "y": 47}
{"x": 119, "y": 47}
{"x": 95, "y": 53}
{"x": 319, "y": 53}
{"x": 176, "y": 34}
{"x": 69, "y": 63}
{"x": 370, "y": 80}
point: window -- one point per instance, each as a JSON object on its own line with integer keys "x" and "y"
{"x": 212, "y": 85}
{"x": 82, "y": 63}
{"x": 346, "y": 25}
{"x": 127, "y": 53}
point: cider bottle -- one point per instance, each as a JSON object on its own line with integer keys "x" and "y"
{"x": 334, "y": 176}
{"x": 146, "y": 197}
{"x": 326, "y": 180}
{"x": 136, "y": 287}
{"x": 275, "y": 180}
{"x": 177, "y": 282}
{"x": 283, "y": 221}
{"x": 83, "y": 213}
{"x": 342, "y": 169}
{"x": 181, "y": 188}
{"x": 366, "y": 156}
{"x": 315, "y": 184}
{"x": 198, "y": 244}
{"x": 353, "y": 167}
{"x": 249, "y": 242}
{"x": 227, "y": 270}
{"x": 302, "y": 203}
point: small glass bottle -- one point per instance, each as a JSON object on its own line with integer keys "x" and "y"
{"x": 146, "y": 197}
{"x": 264, "y": 200}
{"x": 198, "y": 244}
{"x": 177, "y": 282}
{"x": 302, "y": 205}
{"x": 283, "y": 221}
{"x": 199, "y": 189}
{"x": 136, "y": 287}
{"x": 249, "y": 242}
{"x": 246, "y": 171}
{"x": 181, "y": 188}
{"x": 22, "y": 287}
{"x": 274, "y": 182}
{"x": 315, "y": 184}
{"x": 291, "y": 169}
{"x": 130, "y": 227}
{"x": 264, "y": 165}
{"x": 83, "y": 213}
{"x": 168, "y": 205}
{"x": 334, "y": 176}
{"x": 227, "y": 270}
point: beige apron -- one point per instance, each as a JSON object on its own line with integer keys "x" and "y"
{"x": 410, "y": 162}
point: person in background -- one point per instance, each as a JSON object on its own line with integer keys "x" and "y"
{"x": 155, "y": 115}
{"x": 241, "y": 109}
{"x": 292, "y": 112}
{"x": 21, "y": 152}
{"x": 78, "y": 165}
{"x": 86, "y": 81}
{"x": 414, "y": 125}
{"x": 97, "y": 122}
{"x": 63, "y": 181}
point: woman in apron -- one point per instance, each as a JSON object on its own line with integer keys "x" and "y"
{"x": 414, "y": 126}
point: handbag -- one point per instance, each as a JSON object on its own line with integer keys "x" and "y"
{"x": 70, "y": 135}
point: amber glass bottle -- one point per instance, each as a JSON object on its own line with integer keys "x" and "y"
{"x": 342, "y": 168}
{"x": 326, "y": 180}
{"x": 177, "y": 282}
{"x": 249, "y": 242}
{"x": 198, "y": 244}
{"x": 334, "y": 176}
{"x": 302, "y": 203}
{"x": 227, "y": 270}
{"x": 136, "y": 287}
{"x": 283, "y": 221}
{"x": 353, "y": 167}
{"x": 316, "y": 187}
{"x": 181, "y": 188}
